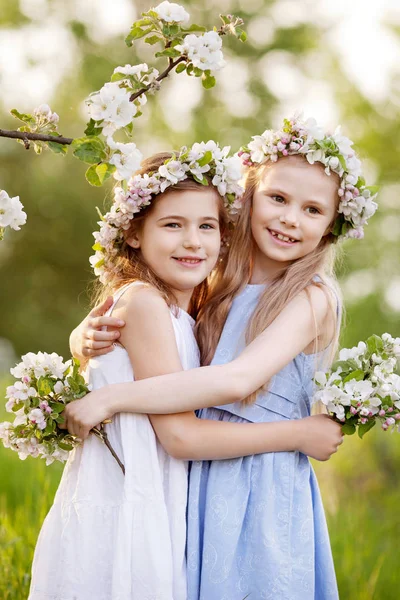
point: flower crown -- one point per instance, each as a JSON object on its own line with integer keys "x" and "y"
{"x": 335, "y": 152}
{"x": 195, "y": 162}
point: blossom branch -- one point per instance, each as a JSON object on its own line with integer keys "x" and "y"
{"x": 172, "y": 64}
{"x": 35, "y": 137}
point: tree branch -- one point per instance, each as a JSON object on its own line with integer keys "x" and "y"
{"x": 35, "y": 137}
{"x": 172, "y": 65}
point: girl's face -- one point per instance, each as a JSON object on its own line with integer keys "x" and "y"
{"x": 293, "y": 207}
{"x": 180, "y": 239}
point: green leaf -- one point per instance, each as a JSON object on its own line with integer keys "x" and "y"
{"x": 203, "y": 181}
{"x": 374, "y": 344}
{"x": 50, "y": 427}
{"x": 153, "y": 39}
{"x": 208, "y": 81}
{"x": 136, "y": 33}
{"x": 65, "y": 446}
{"x": 242, "y": 35}
{"x": 24, "y": 117}
{"x": 57, "y": 407}
{"x": 58, "y": 148}
{"x": 90, "y": 150}
{"x": 181, "y": 67}
{"x": 358, "y": 375}
{"x": 206, "y": 159}
{"x": 92, "y": 128}
{"x": 193, "y": 28}
{"x": 129, "y": 128}
{"x": 348, "y": 428}
{"x": 198, "y": 72}
{"x": 44, "y": 386}
{"x": 98, "y": 174}
{"x": 170, "y": 52}
{"x": 363, "y": 428}
{"x": 189, "y": 69}
{"x": 118, "y": 76}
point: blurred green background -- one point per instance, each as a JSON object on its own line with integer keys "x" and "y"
{"x": 336, "y": 61}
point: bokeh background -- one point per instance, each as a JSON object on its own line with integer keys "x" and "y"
{"x": 338, "y": 61}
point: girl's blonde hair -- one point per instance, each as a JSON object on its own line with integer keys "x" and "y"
{"x": 130, "y": 265}
{"x": 290, "y": 282}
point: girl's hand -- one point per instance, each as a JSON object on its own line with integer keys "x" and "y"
{"x": 319, "y": 436}
{"x": 89, "y": 339}
{"x": 87, "y": 412}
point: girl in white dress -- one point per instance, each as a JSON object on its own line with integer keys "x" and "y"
{"x": 110, "y": 536}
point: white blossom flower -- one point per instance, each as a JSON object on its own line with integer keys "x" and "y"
{"x": 204, "y": 51}
{"x": 112, "y": 106}
{"x": 353, "y": 353}
{"x": 11, "y": 213}
{"x": 127, "y": 159}
{"x": 171, "y": 13}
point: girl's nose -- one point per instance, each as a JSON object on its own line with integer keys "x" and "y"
{"x": 289, "y": 218}
{"x": 192, "y": 240}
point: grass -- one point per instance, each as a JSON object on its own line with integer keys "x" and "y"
{"x": 360, "y": 488}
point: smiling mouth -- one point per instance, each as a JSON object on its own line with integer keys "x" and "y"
{"x": 281, "y": 237}
{"x": 187, "y": 261}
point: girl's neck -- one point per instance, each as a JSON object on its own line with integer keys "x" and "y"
{"x": 264, "y": 269}
{"x": 183, "y": 298}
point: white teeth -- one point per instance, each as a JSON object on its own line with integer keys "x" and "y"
{"x": 284, "y": 238}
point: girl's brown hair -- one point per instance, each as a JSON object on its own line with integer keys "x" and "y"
{"x": 237, "y": 272}
{"x": 130, "y": 265}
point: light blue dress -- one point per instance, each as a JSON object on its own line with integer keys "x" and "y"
{"x": 256, "y": 525}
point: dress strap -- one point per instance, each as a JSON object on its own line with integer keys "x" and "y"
{"x": 120, "y": 292}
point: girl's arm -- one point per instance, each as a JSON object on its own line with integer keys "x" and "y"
{"x": 150, "y": 342}
{"x": 292, "y": 331}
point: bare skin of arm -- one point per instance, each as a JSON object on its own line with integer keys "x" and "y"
{"x": 183, "y": 435}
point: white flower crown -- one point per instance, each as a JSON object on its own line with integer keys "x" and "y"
{"x": 202, "y": 158}
{"x": 332, "y": 150}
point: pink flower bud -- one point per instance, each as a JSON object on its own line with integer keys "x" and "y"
{"x": 385, "y": 426}
{"x": 382, "y": 413}
{"x": 390, "y": 421}
{"x": 397, "y": 416}
{"x": 363, "y": 420}
{"x": 390, "y": 409}
{"x": 353, "y": 410}
{"x": 285, "y": 152}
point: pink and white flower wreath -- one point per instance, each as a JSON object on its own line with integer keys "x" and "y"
{"x": 202, "y": 158}
{"x": 335, "y": 152}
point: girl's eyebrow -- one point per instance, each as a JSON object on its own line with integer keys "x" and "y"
{"x": 206, "y": 218}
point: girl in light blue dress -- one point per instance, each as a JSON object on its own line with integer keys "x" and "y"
{"x": 256, "y": 525}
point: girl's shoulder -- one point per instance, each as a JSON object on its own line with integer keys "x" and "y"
{"x": 139, "y": 301}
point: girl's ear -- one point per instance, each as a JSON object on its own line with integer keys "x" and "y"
{"x": 133, "y": 240}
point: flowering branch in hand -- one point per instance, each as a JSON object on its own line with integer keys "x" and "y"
{"x": 45, "y": 385}
{"x": 363, "y": 386}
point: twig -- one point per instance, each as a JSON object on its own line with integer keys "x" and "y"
{"x": 36, "y": 137}
{"x": 172, "y": 64}
{"x": 102, "y": 435}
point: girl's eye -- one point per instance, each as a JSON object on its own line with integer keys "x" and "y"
{"x": 279, "y": 199}
{"x": 313, "y": 210}
{"x": 172, "y": 225}
{"x": 207, "y": 226}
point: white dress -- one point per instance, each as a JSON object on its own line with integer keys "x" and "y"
{"x": 115, "y": 537}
